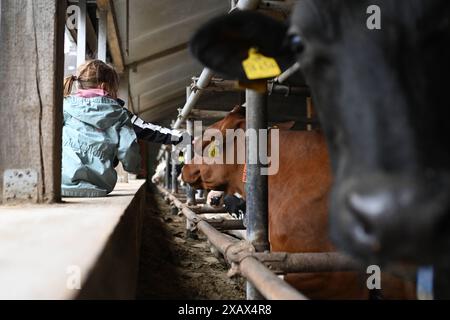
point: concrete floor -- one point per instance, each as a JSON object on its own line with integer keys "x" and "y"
{"x": 46, "y": 251}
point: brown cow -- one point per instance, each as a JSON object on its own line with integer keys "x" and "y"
{"x": 298, "y": 213}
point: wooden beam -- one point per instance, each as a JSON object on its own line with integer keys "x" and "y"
{"x": 31, "y": 77}
{"x": 133, "y": 65}
{"x": 115, "y": 47}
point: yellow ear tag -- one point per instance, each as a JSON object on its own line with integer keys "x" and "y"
{"x": 258, "y": 66}
{"x": 213, "y": 150}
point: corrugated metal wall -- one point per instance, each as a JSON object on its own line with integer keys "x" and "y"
{"x": 155, "y": 41}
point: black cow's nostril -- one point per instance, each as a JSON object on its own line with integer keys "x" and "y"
{"x": 370, "y": 206}
{"x": 365, "y": 223}
{"x": 363, "y": 212}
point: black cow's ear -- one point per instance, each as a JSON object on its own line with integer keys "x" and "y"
{"x": 223, "y": 43}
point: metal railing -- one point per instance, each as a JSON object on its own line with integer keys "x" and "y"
{"x": 261, "y": 268}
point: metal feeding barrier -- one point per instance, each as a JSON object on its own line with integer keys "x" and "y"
{"x": 260, "y": 268}
{"x": 250, "y": 258}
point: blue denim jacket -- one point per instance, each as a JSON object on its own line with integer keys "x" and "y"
{"x": 95, "y": 131}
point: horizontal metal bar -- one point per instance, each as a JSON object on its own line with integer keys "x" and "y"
{"x": 286, "y": 90}
{"x": 190, "y": 215}
{"x": 260, "y": 276}
{"x": 200, "y": 200}
{"x": 203, "y": 82}
{"x": 272, "y": 87}
{"x": 239, "y": 234}
{"x": 267, "y": 283}
{"x": 220, "y": 85}
{"x": 208, "y": 114}
{"x": 282, "y": 262}
{"x": 172, "y": 198}
{"x": 87, "y": 1}
{"x": 226, "y": 224}
{"x": 207, "y": 209}
{"x": 288, "y": 73}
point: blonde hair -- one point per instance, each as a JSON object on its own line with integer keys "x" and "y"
{"x": 94, "y": 74}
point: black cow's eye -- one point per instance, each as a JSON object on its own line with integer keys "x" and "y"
{"x": 296, "y": 43}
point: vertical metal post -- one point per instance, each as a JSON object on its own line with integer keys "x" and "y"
{"x": 189, "y": 156}
{"x": 190, "y": 196}
{"x": 257, "y": 184}
{"x": 81, "y": 33}
{"x": 309, "y": 112}
{"x": 167, "y": 172}
{"x": 102, "y": 35}
{"x": 174, "y": 173}
{"x": 127, "y": 44}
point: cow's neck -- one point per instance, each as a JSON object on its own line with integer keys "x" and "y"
{"x": 236, "y": 184}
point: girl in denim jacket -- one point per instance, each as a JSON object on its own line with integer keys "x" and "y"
{"x": 96, "y": 130}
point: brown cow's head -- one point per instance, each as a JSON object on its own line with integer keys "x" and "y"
{"x": 212, "y": 176}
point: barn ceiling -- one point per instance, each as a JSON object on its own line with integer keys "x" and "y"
{"x": 154, "y": 36}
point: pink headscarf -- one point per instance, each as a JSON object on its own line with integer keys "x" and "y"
{"x": 91, "y": 93}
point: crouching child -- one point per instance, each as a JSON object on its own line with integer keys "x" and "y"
{"x": 96, "y": 131}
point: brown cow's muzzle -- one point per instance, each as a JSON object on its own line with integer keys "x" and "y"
{"x": 191, "y": 175}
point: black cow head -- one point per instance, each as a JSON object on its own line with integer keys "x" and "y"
{"x": 382, "y": 102}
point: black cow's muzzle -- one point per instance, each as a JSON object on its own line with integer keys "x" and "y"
{"x": 388, "y": 218}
